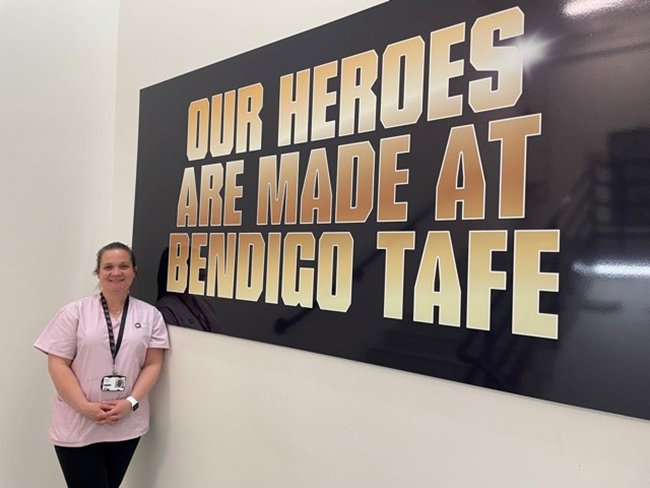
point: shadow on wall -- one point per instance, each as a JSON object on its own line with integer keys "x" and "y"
{"x": 184, "y": 309}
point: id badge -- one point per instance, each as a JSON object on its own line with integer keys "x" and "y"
{"x": 113, "y": 383}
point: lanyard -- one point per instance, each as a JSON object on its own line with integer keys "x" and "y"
{"x": 115, "y": 348}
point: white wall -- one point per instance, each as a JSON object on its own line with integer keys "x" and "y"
{"x": 57, "y": 112}
{"x": 237, "y": 414}
{"x": 228, "y": 412}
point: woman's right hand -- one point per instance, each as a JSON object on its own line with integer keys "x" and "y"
{"x": 97, "y": 412}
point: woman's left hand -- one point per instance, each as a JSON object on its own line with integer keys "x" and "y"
{"x": 118, "y": 410}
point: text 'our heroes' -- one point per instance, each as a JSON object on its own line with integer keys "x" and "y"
{"x": 302, "y": 188}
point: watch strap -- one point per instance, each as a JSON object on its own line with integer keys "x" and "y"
{"x": 134, "y": 403}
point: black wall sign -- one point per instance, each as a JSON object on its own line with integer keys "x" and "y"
{"x": 458, "y": 189}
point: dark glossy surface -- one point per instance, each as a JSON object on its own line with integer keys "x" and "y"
{"x": 588, "y": 175}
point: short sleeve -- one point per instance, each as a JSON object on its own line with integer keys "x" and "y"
{"x": 159, "y": 335}
{"x": 60, "y": 336}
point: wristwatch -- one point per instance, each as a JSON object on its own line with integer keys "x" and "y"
{"x": 134, "y": 403}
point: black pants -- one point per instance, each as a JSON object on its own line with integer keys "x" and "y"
{"x": 101, "y": 465}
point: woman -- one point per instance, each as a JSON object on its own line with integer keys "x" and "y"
{"x": 104, "y": 353}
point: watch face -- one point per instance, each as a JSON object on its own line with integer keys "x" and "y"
{"x": 136, "y": 406}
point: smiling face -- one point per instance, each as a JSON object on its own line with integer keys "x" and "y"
{"x": 116, "y": 271}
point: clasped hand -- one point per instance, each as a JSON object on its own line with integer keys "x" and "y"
{"x": 108, "y": 412}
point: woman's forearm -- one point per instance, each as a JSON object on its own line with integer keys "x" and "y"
{"x": 149, "y": 374}
{"x": 66, "y": 383}
{"x": 118, "y": 409}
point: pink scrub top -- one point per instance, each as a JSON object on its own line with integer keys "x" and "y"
{"x": 79, "y": 333}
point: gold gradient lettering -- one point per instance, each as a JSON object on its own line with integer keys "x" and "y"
{"x": 294, "y": 109}
{"x": 388, "y": 208}
{"x": 481, "y": 279}
{"x": 341, "y": 299}
{"x": 364, "y": 65}
{"x": 528, "y": 282}
{"x": 513, "y": 134}
{"x": 222, "y": 124}
{"x": 462, "y": 153}
{"x": 179, "y": 251}
{"x": 412, "y": 51}
{"x": 198, "y": 122}
{"x": 221, "y": 265}
{"x": 197, "y": 263}
{"x": 187, "y": 208}
{"x": 441, "y": 70}
{"x": 298, "y": 283}
{"x": 273, "y": 268}
{"x": 321, "y": 128}
{"x": 231, "y": 215}
{"x": 317, "y": 190}
{"x": 507, "y": 60}
{"x": 250, "y": 266}
{"x": 438, "y": 256}
{"x": 359, "y": 156}
{"x": 249, "y": 118}
{"x": 211, "y": 204}
{"x": 395, "y": 244}
{"x": 280, "y": 193}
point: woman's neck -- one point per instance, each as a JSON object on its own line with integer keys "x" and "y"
{"x": 115, "y": 301}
